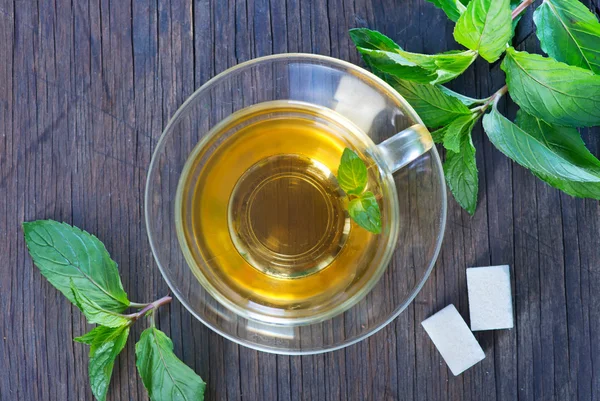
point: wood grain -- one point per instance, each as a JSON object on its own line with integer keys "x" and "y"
{"x": 85, "y": 90}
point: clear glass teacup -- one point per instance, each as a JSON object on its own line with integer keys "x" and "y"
{"x": 247, "y": 221}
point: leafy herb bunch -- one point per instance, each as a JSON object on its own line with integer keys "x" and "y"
{"x": 79, "y": 266}
{"x": 556, "y": 94}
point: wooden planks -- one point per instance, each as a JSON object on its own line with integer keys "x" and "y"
{"x": 85, "y": 90}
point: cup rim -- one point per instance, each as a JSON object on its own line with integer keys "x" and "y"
{"x": 213, "y": 81}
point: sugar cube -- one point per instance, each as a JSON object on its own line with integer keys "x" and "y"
{"x": 453, "y": 339}
{"x": 490, "y": 300}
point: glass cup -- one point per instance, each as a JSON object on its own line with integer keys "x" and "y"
{"x": 362, "y": 111}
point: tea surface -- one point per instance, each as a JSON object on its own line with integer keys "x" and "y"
{"x": 266, "y": 220}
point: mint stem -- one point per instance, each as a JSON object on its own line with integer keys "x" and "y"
{"x": 520, "y": 8}
{"x": 494, "y": 98}
{"x": 151, "y": 306}
{"x": 136, "y": 305}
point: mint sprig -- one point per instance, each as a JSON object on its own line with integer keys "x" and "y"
{"x": 352, "y": 178}
{"x": 556, "y": 94}
{"x": 78, "y": 265}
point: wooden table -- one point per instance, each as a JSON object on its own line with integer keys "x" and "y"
{"x": 86, "y": 88}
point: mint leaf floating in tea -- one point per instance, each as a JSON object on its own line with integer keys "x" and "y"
{"x": 105, "y": 345}
{"x": 352, "y": 178}
{"x": 364, "y": 210}
{"x": 164, "y": 376}
{"x": 352, "y": 173}
{"x": 64, "y": 253}
{"x": 79, "y": 266}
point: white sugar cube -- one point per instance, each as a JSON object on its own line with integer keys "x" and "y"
{"x": 490, "y": 300}
{"x": 453, "y": 339}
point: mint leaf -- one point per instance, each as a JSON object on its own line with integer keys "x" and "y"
{"x": 456, "y": 130}
{"x": 352, "y": 173}
{"x": 450, "y": 135}
{"x": 163, "y": 374}
{"x": 452, "y": 8}
{"x": 422, "y": 68}
{"x": 64, "y": 253}
{"x": 467, "y": 101}
{"x": 569, "y": 138}
{"x": 446, "y": 66}
{"x": 105, "y": 345}
{"x": 435, "y": 107}
{"x": 552, "y": 153}
{"x": 564, "y": 139}
{"x": 397, "y": 65}
{"x": 569, "y": 32}
{"x": 95, "y": 313}
{"x": 556, "y": 92}
{"x": 574, "y": 188}
{"x": 369, "y": 39}
{"x": 438, "y": 134}
{"x": 460, "y": 169}
{"x": 485, "y": 27}
{"x": 364, "y": 210}
{"x": 382, "y": 53}
{"x": 97, "y": 334}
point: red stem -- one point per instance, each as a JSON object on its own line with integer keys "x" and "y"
{"x": 520, "y": 8}
{"x": 154, "y": 305}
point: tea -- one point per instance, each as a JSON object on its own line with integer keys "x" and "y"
{"x": 264, "y": 220}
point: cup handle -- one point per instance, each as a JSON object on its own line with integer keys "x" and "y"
{"x": 405, "y": 146}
